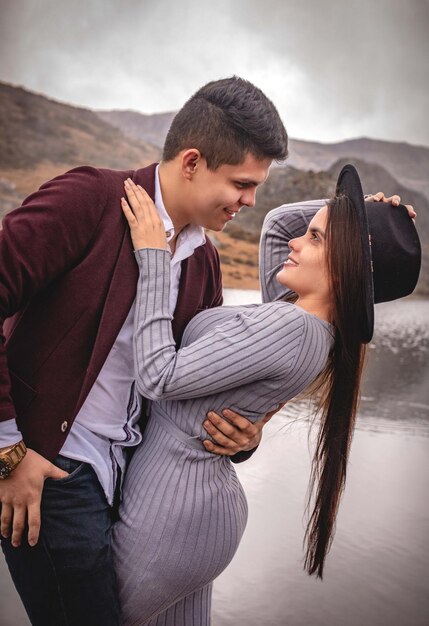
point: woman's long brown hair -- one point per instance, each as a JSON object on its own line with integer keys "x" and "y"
{"x": 340, "y": 381}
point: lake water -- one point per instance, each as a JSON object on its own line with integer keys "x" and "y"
{"x": 377, "y": 571}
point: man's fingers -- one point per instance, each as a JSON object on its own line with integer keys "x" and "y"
{"x": 220, "y": 423}
{"x": 225, "y": 436}
{"x": 55, "y": 472}
{"x": 216, "y": 449}
{"x": 19, "y": 512}
{"x": 6, "y": 520}
{"x": 33, "y": 523}
{"x": 238, "y": 420}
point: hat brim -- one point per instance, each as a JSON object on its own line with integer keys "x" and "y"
{"x": 349, "y": 184}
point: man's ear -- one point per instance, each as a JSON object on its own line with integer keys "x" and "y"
{"x": 191, "y": 161}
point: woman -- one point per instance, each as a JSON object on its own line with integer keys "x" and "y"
{"x": 184, "y": 511}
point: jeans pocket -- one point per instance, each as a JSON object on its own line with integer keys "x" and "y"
{"x": 73, "y": 467}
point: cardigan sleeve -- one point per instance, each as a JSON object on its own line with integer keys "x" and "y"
{"x": 40, "y": 241}
{"x": 280, "y": 226}
{"x": 231, "y": 355}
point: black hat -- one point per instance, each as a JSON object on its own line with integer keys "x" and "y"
{"x": 392, "y": 251}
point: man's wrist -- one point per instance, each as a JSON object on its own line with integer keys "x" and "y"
{"x": 10, "y": 458}
{"x": 9, "y": 433}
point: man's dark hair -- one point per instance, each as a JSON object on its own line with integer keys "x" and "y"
{"x": 225, "y": 120}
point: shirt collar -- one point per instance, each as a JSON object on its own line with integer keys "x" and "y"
{"x": 168, "y": 224}
{"x": 193, "y": 235}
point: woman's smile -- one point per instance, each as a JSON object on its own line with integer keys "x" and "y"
{"x": 290, "y": 263}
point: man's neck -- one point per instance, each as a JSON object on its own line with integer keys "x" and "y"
{"x": 170, "y": 195}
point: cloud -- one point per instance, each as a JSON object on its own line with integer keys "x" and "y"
{"x": 334, "y": 69}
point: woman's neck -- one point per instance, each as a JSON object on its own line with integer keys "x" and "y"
{"x": 317, "y": 307}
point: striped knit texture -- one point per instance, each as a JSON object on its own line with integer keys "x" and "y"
{"x": 184, "y": 510}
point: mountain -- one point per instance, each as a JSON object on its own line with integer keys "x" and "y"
{"x": 40, "y": 138}
{"x": 406, "y": 163}
{"x": 152, "y": 128}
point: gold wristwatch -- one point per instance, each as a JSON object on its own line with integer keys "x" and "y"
{"x": 10, "y": 457}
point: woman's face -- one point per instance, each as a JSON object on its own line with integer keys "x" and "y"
{"x": 305, "y": 271}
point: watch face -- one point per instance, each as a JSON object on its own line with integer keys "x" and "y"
{"x": 4, "y": 469}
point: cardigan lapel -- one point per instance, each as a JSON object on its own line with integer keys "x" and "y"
{"x": 121, "y": 293}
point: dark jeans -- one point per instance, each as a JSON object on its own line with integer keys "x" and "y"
{"x": 68, "y": 577}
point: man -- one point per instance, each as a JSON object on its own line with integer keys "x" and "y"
{"x": 69, "y": 410}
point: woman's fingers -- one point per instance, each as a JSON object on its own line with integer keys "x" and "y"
{"x": 146, "y": 226}
{"x": 128, "y": 212}
{"x": 411, "y": 211}
{"x": 134, "y": 200}
{"x": 143, "y": 208}
{"x": 395, "y": 200}
{"x": 381, "y": 197}
{"x": 140, "y": 201}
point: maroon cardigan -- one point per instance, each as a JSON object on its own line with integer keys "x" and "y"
{"x": 67, "y": 280}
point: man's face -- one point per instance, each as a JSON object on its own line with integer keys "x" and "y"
{"x": 215, "y": 196}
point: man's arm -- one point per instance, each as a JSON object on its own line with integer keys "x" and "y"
{"x": 39, "y": 242}
{"x": 235, "y": 435}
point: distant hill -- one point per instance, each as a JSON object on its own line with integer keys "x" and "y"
{"x": 152, "y": 128}
{"x": 40, "y": 138}
{"x": 408, "y": 164}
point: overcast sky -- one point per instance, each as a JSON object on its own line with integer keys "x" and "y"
{"x": 336, "y": 69}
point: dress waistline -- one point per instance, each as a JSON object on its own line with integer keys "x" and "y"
{"x": 160, "y": 417}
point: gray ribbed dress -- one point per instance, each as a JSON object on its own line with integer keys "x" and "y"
{"x": 184, "y": 510}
